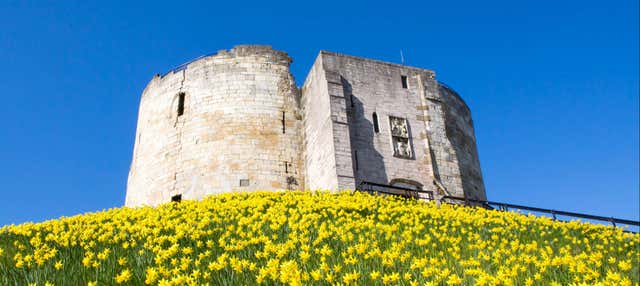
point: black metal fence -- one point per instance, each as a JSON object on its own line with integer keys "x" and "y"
{"x": 553, "y": 213}
{"x": 184, "y": 65}
{"x": 421, "y": 194}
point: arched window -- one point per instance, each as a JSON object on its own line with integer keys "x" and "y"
{"x": 376, "y": 127}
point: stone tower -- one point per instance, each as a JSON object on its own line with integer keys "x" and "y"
{"x": 385, "y": 123}
{"x": 221, "y": 122}
{"x": 235, "y": 121}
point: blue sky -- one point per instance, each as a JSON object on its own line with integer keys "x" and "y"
{"x": 553, "y": 87}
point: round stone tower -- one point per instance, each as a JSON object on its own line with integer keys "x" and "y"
{"x": 224, "y": 122}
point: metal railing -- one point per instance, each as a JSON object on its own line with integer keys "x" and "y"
{"x": 371, "y": 187}
{"x": 184, "y": 65}
{"x": 554, "y": 213}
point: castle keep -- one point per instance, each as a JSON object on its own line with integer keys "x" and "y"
{"x": 236, "y": 121}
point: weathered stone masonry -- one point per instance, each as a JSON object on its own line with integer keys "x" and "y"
{"x": 245, "y": 126}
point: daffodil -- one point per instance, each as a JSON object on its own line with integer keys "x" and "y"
{"x": 318, "y": 237}
{"x": 124, "y": 276}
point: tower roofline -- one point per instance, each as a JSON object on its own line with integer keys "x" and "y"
{"x": 237, "y": 50}
{"x": 417, "y": 69}
{"x": 325, "y": 52}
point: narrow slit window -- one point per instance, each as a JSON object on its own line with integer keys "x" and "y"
{"x": 180, "y": 104}
{"x": 376, "y": 127}
{"x": 355, "y": 159}
{"x": 176, "y": 198}
{"x": 403, "y": 78}
{"x": 286, "y": 167}
{"x": 283, "y": 123}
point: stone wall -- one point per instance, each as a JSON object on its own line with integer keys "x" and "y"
{"x": 241, "y": 126}
{"x": 320, "y": 161}
{"x": 442, "y": 154}
{"x": 359, "y": 87}
{"x": 461, "y": 135}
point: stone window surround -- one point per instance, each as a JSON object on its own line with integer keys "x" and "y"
{"x": 376, "y": 123}
{"x": 181, "y": 103}
{"x": 406, "y": 137}
{"x": 173, "y": 107}
{"x": 404, "y": 81}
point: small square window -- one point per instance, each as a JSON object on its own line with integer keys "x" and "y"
{"x": 176, "y": 198}
{"x": 403, "y": 78}
{"x": 244, "y": 182}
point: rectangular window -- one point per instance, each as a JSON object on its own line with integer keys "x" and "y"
{"x": 244, "y": 182}
{"x": 403, "y": 78}
{"x": 176, "y": 198}
{"x": 181, "y": 104}
{"x": 400, "y": 137}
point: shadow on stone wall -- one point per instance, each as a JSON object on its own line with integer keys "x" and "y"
{"x": 457, "y": 119}
{"x": 368, "y": 163}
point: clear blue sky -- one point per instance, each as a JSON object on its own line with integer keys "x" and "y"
{"x": 553, "y": 87}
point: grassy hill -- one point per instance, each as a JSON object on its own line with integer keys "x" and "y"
{"x": 295, "y": 238}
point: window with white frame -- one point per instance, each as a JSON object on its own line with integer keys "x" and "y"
{"x": 400, "y": 137}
